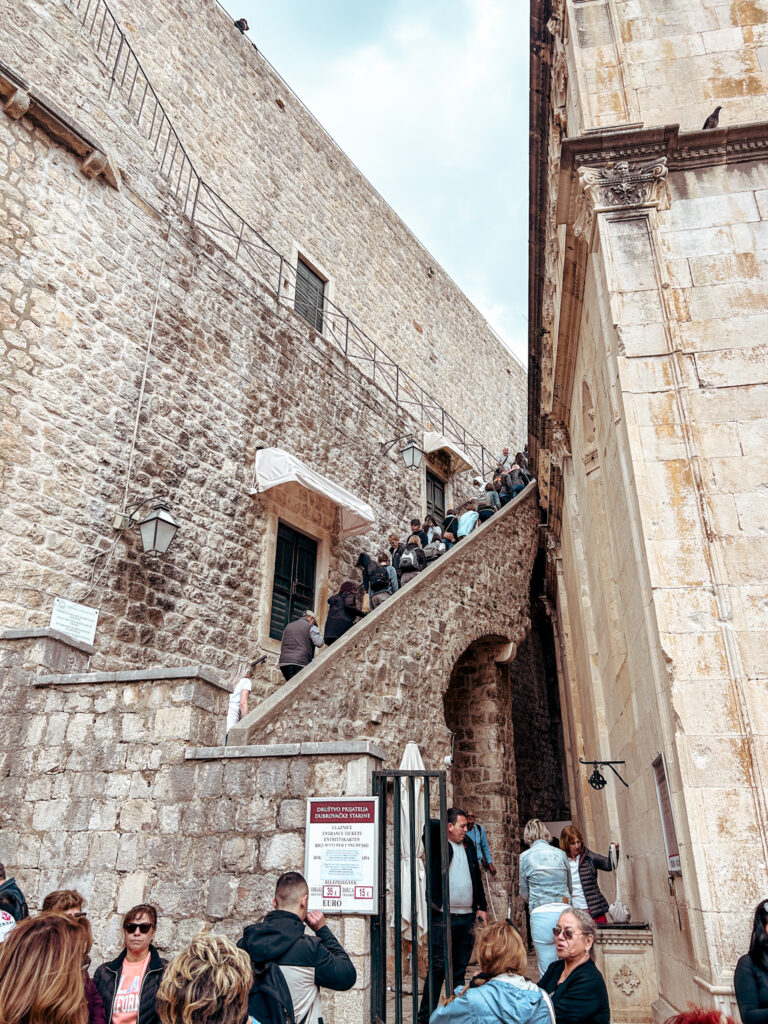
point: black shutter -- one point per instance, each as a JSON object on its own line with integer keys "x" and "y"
{"x": 293, "y": 587}
{"x": 310, "y": 295}
{"x": 435, "y": 497}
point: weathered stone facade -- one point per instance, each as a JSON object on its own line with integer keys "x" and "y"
{"x": 145, "y": 358}
{"x": 648, "y": 417}
{"x": 101, "y": 792}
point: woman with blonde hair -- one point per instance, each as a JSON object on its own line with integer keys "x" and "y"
{"x": 41, "y": 972}
{"x": 208, "y": 983}
{"x": 545, "y": 885}
{"x": 499, "y": 992}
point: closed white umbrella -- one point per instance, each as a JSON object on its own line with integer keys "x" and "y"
{"x": 412, "y": 761}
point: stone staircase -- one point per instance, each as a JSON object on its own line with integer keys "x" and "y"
{"x": 384, "y": 680}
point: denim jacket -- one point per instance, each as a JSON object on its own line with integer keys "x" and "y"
{"x": 544, "y": 875}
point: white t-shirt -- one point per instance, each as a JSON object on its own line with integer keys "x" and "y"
{"x": 7, "y": 924}
{"x": 233, "y": 712}
{"x": 578, "y": 898}
{"x": 460, "y": 881}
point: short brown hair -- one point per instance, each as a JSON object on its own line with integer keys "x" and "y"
{"x": 63, "y": 900}
{"x": 141, "y": 908}
{"x": 207, "y": 983}
{"x": 290, "y": 888}
{"x": 571, "y": 834}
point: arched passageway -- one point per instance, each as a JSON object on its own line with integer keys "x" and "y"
{"x": 507, "y": 746}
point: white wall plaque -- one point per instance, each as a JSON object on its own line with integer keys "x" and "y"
{"x": 341, "y": 854}
{"x": 75, "y": 620}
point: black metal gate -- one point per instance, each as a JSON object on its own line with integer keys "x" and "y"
{"x": 387, "y": 786}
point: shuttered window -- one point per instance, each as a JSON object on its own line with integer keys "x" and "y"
{"x": 310, "y": 295}
{"x": 293, "y": 587}
{"x": 435, "y": 497}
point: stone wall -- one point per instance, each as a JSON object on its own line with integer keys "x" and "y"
{"x": 277, "y": 167}
{"x": 649, "y": 413}
{"x": 637, "y": 62}
{"x": 101, "y": 792}
{"x": 537, "y": 726}
{"x": 225, "y": 373}
{"x": 483, "y": 774}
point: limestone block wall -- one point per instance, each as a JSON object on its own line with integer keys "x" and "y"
{"x": 99, "y": 794}
{"x": 631, "y": 62}
{"x": 258, "y": 146}
{"x": 664, "y": 558}
{"x": 99, "y": 285}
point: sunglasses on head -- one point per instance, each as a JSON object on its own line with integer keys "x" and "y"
{"x": 135, "y": 927}
{"x": 567, "y": 933}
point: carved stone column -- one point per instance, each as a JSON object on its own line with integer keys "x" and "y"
{"x": 622, "y": 185}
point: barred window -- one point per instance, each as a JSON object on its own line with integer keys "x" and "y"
{"x": 310, "y": 295}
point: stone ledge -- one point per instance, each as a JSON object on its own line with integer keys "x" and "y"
{"x": 342, "y": 748}
{"x": 136, "y": 676}
{"x": 47, "y": 634}
{"x": 21, "y": 100}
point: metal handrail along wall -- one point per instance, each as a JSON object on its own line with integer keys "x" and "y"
{"x": 210, "y": 213}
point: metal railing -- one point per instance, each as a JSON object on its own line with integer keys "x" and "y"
{"x": 211, "y": 214}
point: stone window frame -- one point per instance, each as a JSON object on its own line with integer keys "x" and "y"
{"x": 300, "y": 252}
{"x": 273, "y": 515}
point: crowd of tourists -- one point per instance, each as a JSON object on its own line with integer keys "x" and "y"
{"x": 278, "y": 968}
{"x": 275, "y": 972}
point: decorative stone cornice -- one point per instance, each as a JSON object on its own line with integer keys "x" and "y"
{"x": 621, "y": 185}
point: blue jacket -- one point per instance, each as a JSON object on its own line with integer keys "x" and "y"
{"x": 507, "y": 999}
{"x": 544, "y": 875}
{"x": 479, "y": 838}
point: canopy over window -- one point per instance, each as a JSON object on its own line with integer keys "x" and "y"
{"x": 274, "y": 467}
{"x": 434, "y": 442}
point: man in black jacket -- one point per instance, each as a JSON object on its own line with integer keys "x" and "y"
{"x": 307, "y": 962}
{"x": 11, "y": 897}
{"x": 466, "y": 899}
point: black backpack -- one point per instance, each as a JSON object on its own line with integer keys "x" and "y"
{"x": 270, "y": 1000}
{"x": 378, "y": 577}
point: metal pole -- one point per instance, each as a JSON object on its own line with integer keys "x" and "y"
{"x": 279, "y": 282}
{"x": 397, "y": 938}
{"x": 379, "y": 920}
{"x": 414, "y": 905}
{"x": 446, "y": 891}
{"x": 428, "y": 860}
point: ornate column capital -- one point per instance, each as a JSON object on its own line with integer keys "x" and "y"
{"x": 621, "y": 185}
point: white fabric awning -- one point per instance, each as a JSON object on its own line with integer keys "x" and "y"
{"x": 274, "y": 467}
{"x": 434, "y": 442}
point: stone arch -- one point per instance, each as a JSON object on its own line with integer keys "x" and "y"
{"x": 478, "y": 713}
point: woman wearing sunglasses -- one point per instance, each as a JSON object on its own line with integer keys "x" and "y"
{"x": 573, "y": 981}
{"x": 128, "y": 984}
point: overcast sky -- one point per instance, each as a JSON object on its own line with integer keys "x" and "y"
{"x": 430, "y": 101}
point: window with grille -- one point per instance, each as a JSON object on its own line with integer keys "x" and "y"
{"x": 310, "y": 295}
{"x": 435, "y": 497}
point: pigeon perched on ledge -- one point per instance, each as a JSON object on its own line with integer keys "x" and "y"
{"x": 242, "y": 24}
{"x": 713, "y": 119}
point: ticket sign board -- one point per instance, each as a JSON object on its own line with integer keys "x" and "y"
{"x": 340, "y": 857}
{"x": 75, "y": 620}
